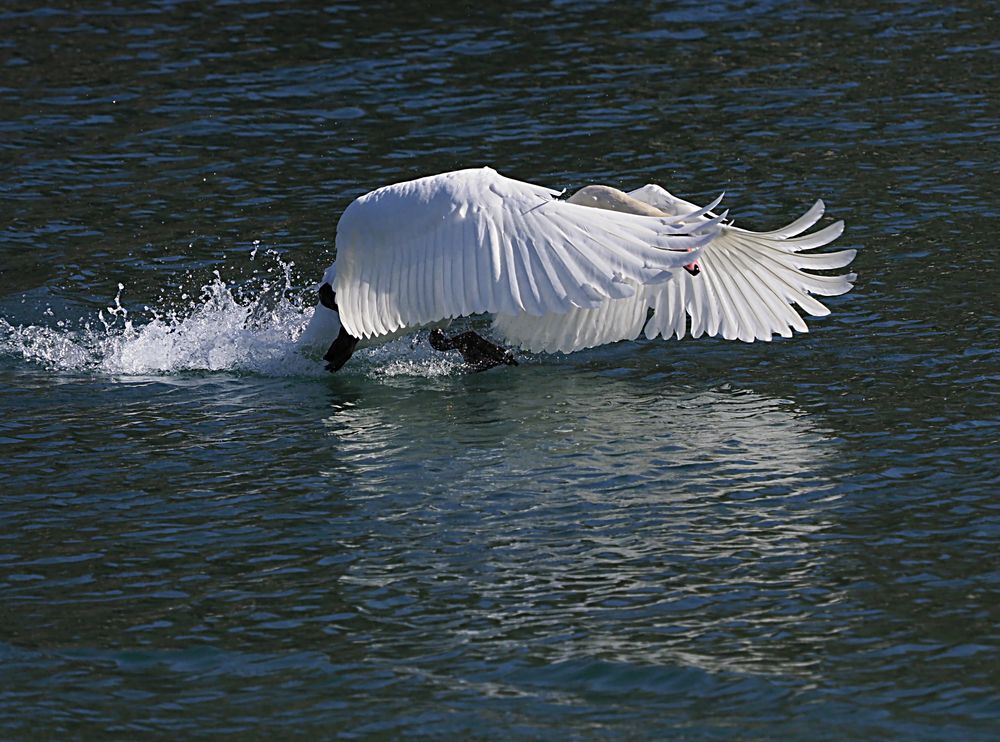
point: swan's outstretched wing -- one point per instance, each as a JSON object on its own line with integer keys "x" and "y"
{"x": 579, "y": 328}
{"x": 746, "y": 288}
{"x": 749, "y": 280}
{"x": 473, "y": 241}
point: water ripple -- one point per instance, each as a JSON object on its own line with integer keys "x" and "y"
{"x": 203, "y": 532}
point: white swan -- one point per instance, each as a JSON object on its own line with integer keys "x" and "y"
{"x": 558, "y": 274}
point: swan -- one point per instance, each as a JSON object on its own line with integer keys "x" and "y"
{"x": 561, "y": 271}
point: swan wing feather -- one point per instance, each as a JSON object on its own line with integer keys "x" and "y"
{"x": 474, "y": 241}
{"x": 749, "y": 280}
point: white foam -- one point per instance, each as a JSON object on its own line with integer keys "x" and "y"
{"x": 407, "y": 357}
{"x": 250, "y": 329}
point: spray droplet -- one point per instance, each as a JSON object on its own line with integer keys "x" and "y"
{"x": 254, "y": 327}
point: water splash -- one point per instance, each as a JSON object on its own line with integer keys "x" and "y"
{"x": 252, "y": 327}
{"x": 407, "y": 357}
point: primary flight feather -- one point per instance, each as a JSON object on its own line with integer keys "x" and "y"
{"x": 561, "y": 273}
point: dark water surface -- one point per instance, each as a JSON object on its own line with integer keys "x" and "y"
{"x": 202, "y": 532}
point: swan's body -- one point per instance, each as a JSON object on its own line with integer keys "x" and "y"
{"x": 558, "y": 274}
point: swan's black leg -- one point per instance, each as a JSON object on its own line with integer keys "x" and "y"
{"x": 478, "y": 353}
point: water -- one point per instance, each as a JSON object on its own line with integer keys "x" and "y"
{"x": 203, "y": 532}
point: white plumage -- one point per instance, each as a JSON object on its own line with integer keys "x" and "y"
{"x": 560, "y": 275}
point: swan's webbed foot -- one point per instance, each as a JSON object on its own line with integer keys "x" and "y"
{"x": 478, "y": 353}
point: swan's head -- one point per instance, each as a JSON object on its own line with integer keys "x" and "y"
{"x": 324, "y": 326}
{"x": 325, "y": 330}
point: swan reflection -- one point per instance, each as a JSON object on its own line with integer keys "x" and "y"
{"x": 664, "y": 523}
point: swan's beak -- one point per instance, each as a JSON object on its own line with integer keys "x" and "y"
{"x": 324, "y": 325}
{"x": 328, "y": 298}
{"x": 693, "y": 268}
{"x": 342, "y": 348}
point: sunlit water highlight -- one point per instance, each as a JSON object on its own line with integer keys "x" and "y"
{"x": 203, "y": 532}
